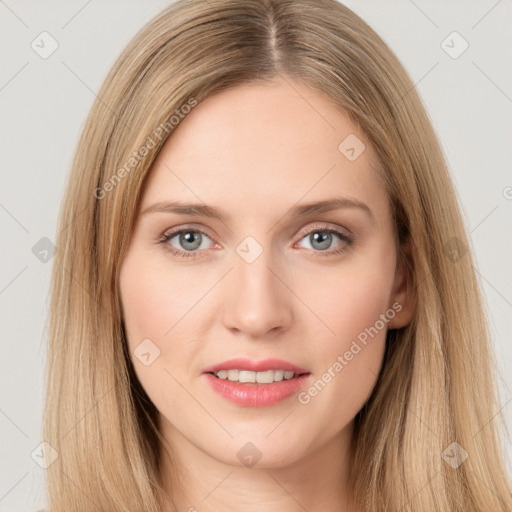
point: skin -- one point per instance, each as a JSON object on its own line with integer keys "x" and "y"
{"x": 255, "y": 151}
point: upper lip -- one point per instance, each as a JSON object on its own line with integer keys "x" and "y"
{"x": 255, "y": 366}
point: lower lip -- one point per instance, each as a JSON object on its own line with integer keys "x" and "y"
{"x": 256, "y": 395}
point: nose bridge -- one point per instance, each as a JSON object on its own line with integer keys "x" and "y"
{"x": 258, "y": 300}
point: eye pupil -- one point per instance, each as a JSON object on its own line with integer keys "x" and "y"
{"x": 321, "y": 237}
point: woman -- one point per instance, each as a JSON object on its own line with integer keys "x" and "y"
{"x": 263, "y": 297}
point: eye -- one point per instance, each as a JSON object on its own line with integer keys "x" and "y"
{"x": 188, "y": 240}
{"x": 321, "y": 238}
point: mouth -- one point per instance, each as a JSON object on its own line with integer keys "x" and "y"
{"x": 250, "y": 383}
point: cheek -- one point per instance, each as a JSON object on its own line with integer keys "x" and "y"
{"x": 146, "y": 294}
{"x": 160, "y": 304}
{"x": 354, "y": 308}
{"x": 347, "y": 364}
{"x": 354, "y": 346}
{"x": 147, "y": 290}
{"x": 349, "y": 299}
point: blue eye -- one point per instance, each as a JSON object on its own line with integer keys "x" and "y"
{"x": 323, "y": 238}
{"x": 190, "y": 240}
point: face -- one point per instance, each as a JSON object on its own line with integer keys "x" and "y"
{"x": 299, "y": 297}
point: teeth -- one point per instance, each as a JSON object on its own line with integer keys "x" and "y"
{"x": 266, "y": 377}
{"x": 245, "y": 376}
{"x": 278, "y": 375}
{"x": 233, "y": 375}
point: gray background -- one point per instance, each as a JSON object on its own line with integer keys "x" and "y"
{"x": 44, "y": 103}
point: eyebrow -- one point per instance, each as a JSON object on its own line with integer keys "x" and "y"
{"x": 300, "y": 210}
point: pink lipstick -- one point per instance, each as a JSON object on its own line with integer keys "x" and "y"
{"x": 256, "y": 383}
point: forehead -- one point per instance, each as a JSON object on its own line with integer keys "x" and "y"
{"x": 259, "y": 145}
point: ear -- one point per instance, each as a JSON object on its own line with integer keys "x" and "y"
{"x": 402, "y": 299}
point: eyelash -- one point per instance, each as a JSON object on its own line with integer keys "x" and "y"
{"x": 165, "y": 238}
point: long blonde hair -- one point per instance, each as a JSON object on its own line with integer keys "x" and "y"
{"x": 436, "y": 386}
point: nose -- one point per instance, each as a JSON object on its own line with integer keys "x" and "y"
{"x": 259, "y": 301}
